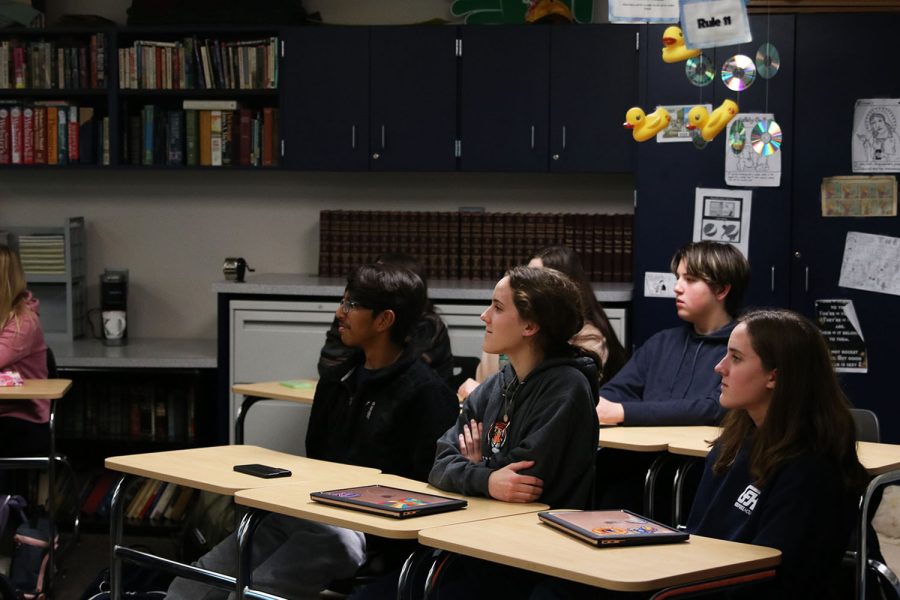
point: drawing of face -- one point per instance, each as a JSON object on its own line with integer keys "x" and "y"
{"x": 879, "y": 126}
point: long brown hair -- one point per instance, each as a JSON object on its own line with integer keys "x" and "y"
{"x": 563, "y": 259}
{"x": 808, "y": 413}
{"x": 550, "y": 299}
{"x": 12, "y": 286}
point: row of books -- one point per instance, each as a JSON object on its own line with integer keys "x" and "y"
{"x": 53, "y": 65}
{"x": 154, "y": 501}
{"x": 50, "y": 132}
{"x": 117, "y": 411}
{"x": 194, "y": 64}
{"x": 226, "y": 136}
{"x": 474, "y": 245}
{"x": 44, "y": 254}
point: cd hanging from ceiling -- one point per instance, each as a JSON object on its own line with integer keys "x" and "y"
{"x": 738, "y": 72}
{"x": 768, "y": 61}
{"x": 699, "y": 70}
{"x": 766, "y": 137}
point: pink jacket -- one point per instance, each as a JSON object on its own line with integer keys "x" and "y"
{"x": 22, "y": 348}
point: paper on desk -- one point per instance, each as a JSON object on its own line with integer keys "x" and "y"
{"x": 840, "y": 325}
{"x": 871, "y": 263}
{"x": 745, "y": 166}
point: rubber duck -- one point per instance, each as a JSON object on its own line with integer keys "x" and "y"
{"x": 674, "y": 49}
{"x": 644, "y": 127}
{"x": 711, "y": 125}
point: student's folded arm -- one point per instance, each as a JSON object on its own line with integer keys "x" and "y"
{"x": 674, "y": 411}
{"x": 15, "y": 341}
{"x": 451, "y": 471}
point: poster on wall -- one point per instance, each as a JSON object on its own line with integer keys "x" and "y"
{"x": 659, "y": 285}
{"x": 859, "y": 196}
{"x": 875, "y": 144}
{"x": 643, "y": 11}
{"x": 871, "y": 263}
{"x": 723, "y": 216}
{"x": 840, "y": 326}
{"x": 744, "y": 166}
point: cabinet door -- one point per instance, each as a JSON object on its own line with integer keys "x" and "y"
{"x": 504, "y": 97}
{"x": 413, "y": 107}
{"x": 325, "y": 96}
{"x": 828, "y": 85}
{"x": 593, "y": 82}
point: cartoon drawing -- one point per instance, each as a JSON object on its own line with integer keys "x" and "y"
{"x": 880, "y": 140}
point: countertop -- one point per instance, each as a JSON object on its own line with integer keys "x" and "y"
{"x": 289, "y": 284}
{"x": 138, "y": 353}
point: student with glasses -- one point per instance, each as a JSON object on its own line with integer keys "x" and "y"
{"x": 429, "y": 335}
{"x": 382, "y": 407}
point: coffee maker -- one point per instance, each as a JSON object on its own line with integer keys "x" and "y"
{"x": 114, "y": 306}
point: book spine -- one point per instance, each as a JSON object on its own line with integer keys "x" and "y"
{"x": 5, "y": 136}
{"x": 62, "y": 141}
{"x": 227, "y": 137}
{"x": 148, "y": 128}
{"x": 73, "y": 137}
{"x": 28, "y": 135}
{"x": 244, "y": 137}
{"x": 192, "y": 149}
{"x": 205, "y": 138}
{"x": 19, "y": 67}
{"x": 267, "y": 136}
{"x": 18, "y": 138}
{"x": 52, "y": 137}
{"x": 215, "y": 144}
{"x": 40, "y": 135}
{"x": 175, "y": 138}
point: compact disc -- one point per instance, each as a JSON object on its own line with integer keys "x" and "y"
{"x": 737, "y": 137}
{"x": 766, "y": 137}
{"x": 768, "y": 61}
{"x": 699, "y": 70}
{"x": 738, "y": 72}
{"x": 698, "y": 140}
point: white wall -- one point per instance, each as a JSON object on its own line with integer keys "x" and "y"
{"x": 173, "y": 229}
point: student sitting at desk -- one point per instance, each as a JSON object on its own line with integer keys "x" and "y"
{"x": 670, "y": 379}
{"x": 429, "y": 334}
{"x": 784, "y": 472}
{"x": 382, "y": 408}
{"x": 24, "y": 428}
{"x": 597, "y": 335}
{"x": 528, "y": 433}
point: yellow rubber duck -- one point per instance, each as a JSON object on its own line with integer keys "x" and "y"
{"x": 710, "y": 125}
{"x": 674, "y": 49}
{"x": 644, "y": 127}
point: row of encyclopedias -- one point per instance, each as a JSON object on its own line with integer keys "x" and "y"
{"x": 474, "y": 245}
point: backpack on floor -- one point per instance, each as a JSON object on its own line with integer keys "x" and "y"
{"x": 28, "y": 571}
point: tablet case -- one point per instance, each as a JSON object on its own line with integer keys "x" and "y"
{"x": 612, "y": 527}
{"x": 388, "y": 501}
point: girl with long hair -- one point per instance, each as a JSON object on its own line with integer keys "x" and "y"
{"x": 24, "y": 428}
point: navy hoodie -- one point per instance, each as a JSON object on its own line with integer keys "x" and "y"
{"x": 670, "y": 379}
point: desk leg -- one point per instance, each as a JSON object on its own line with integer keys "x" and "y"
{"x": 249, "y": 522}
{"x": 116, "y": 525}
{"x": 681, "y": 473}
{"x": 242, "y": 414}
{"x": 650, "y": 484}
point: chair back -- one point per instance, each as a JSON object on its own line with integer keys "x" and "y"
{"x": 52, "y": 371}
{"x": 464, "y": 367}
{"x": 867, "y": 428}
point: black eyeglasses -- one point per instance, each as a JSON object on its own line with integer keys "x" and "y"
{"x": 347, "y": 305}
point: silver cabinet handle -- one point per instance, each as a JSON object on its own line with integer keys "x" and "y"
{"x": 382, "y": 137}
{"x": 563, "y": 137}
{"x": 532, "y": 137}
{"x": 773, "y": 278}
{"x": 806, "y": 279}
{"x": 353, "y": 137}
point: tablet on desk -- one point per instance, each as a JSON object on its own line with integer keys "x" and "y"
{"x": 612, "y": 527}
{"x": 388, "y": 501}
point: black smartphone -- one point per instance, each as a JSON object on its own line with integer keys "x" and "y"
{"x": 264, "y": 471}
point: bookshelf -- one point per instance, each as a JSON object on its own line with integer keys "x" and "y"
{"x": 54, "y": 261}
{"x": 327, "y": 98}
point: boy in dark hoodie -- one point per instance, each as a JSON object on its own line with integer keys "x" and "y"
{"x": 670, "y": 379}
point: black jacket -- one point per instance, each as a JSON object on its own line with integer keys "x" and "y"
{"x": 552, "y": 423}
{"x": 391, "y": 422}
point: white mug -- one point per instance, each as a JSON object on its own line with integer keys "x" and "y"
{"x": 113, "y": 324}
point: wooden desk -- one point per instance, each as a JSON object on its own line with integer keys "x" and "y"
{"x": 653, "y": 439}
{"x": 37, "y": 389}
{"x": 270, "y": 390}
{"x": 293, "y": 500}
{"x": 210, "y": 469}
{"x": 521, "y": 541}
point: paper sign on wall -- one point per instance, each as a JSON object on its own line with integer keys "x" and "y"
{"x": 643, "y": 11}
{"x": 839, "y": 324}
{"x": 659, "y": 285}
{"x": 745, "y": 166}
{"x": 723, "y": 216}
{"x": 871, "y": 262}
{"x": 710, "y": 23}
{"x": 875, "y": 146}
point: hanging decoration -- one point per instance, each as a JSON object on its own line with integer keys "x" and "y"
{"x": 643, "y": 126}
{"x": 674, "y": 49}
{"x": 711, "y": 125}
